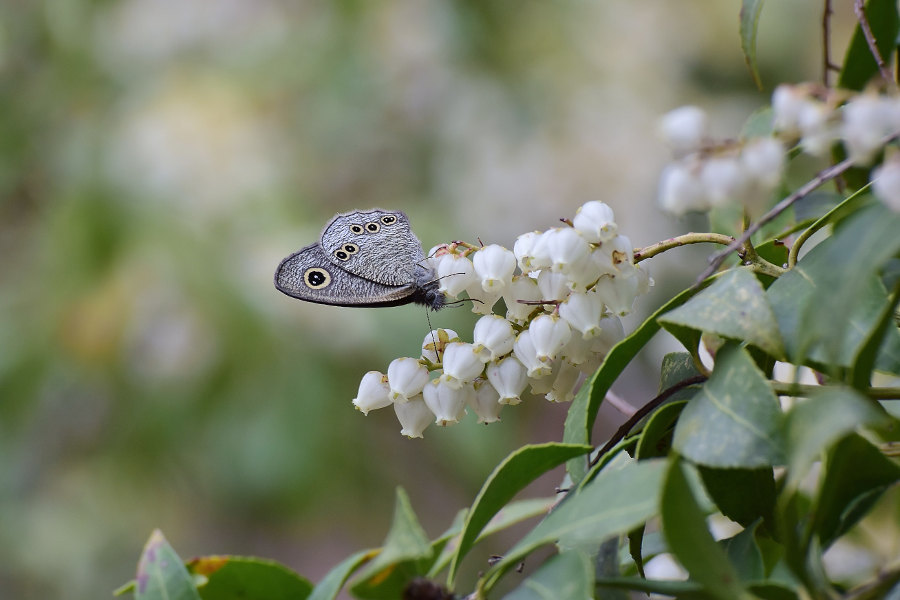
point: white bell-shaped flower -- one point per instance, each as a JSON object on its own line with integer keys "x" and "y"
{"x": 763, "y": 160}
{"x": 522, "y": 250}
{"x": 886, "y": 182}
{"x": 509, "y": 377}
{"x": 461, "y": 364}
{"x": 524, "y": 288}
{"x": 787, "y": 104}
{"x": 595, "y": 221}
{"x": 525, "y": 351}
{"x": 540, "y": 386}
{"x": 434, "y": 343}
{"x": 564, "y": 384}
{"x": 406, "y": 377}
{"x": 681, "y": 190}
{"x": 620, "y": 252}
{"x": 553, "y": 286}
{"x": 578, "y": 350}
{"x": 455, "y": 274}
{"x": 684, "y": 129}
{"x": 540, "y": 254}
{"x": 447, "y": 403}
{"x": 494, "y": 265}
{"x": 724, "y": 180}
{"x": 818, "y": 127}
{"x": 374, "y": 392}
{"x": 549, "y": 334}
{"x": 583, "y": 312}
{"x": 482, "y": 302}
{"x": 566, "y": 248}
{"x": 493, "y": 337}
{"x": 414, "y": 416}
{"x": 611, "y": 333}
{"x": 867, "y": 120}
{"x": 485, "y": 402}
{"x": 617, "y": 293}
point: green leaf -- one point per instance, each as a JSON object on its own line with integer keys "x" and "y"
{"x": 773, "y": 590}
{"x": 394, "y": 567}
{"x": 583, "y": 411}
{"x": 735, "y": 420}
{"x": 758, "y": 124}
{"x": 742, "y": 495}
{"x": 838, "y": 277}
{"x": 867, "y": 356}
{"x": 161, "y": 575}
{"x": 856, "y": 474}
{"x": 683, "y": 590}
{"x": 594, "y": 513}
{"x": 509, "y": 477}
{"x": 744, "y": 555}
{"x": 656, "y": 438}
{"x": 750, "y": 11}
{"x": 247, "y": 578}
{"x": 734, "y": 307}
{"x": 684, "y": 526}
{"x": 566, "y": 575}
{"x": 859, "y": 64}
{"x": 676, "y": 367}
{"x": 813, "y": 425}
{"x": 331, "y": 584}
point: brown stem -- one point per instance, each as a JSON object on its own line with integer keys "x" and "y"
{"x": 826, "y": 43}
{"x": 860, "y": 10}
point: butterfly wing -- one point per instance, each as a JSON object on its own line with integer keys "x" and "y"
{"x": 377, "y": 245}
{"x": 309, "y": 275}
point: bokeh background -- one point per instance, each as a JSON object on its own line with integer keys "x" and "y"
{"x": 159, "y": 157}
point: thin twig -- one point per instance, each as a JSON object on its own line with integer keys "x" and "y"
{"x": 827, "y": 67}
{"x": 627, "y": 426}
{"x": 681, "y": 240}
{"x": 810, "y": 186}
{"x": 619, "y": 404}
{"x": 860, "y": 10}
{"x": 804, "y": 391}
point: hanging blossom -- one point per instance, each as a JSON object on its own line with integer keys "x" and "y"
{"x": 562, "y": 291}
{"x": 707, "y": 174}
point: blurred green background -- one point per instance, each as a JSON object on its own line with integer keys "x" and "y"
{"x": 159, "y": 157}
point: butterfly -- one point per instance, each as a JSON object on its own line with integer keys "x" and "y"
{"x": 363, "y": 258}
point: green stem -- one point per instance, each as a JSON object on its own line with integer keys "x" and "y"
{"x": 681, "y": 240}
{"x": 797, "y": 389}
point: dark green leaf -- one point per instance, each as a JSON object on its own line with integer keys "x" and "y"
{"x": 566, "y": 575}
{"x": 770, "y": 590}
{"x": 735, "y": 420}
{"x": 683, "y": 590}
{"x": 867, "y": 356}
{"x": 742, "y": 495}
{"x": 684, "y": 526}
{"x": 734, "y": 307}
{"x": 635, "y": 542}
{"x": 838, "y": 277}
{"x": 161, "y": 575}
{"x": 656, "y": 438}
{"x": 750, "y": 11}
{"x": 676, "y": 367}
{"x": 859, "y": 64}
{"x": 856, "y": 473}
{"x": 744, "y": 555}
{"x": 581, "y": 415}
{"x": 395, "y": 565}
{"x": 331, "y": 584}
{"x": 814, "y": 424}
{"x": 509, "y": 477}
{"x": 246, "y": 578}
{"x": 595, "y": 512}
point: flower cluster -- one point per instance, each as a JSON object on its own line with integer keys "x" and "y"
{"x": 563, "y": 291}
{"x": 707, "y": 174}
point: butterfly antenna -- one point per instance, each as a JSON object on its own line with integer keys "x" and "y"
{"x": 433, "y": 339}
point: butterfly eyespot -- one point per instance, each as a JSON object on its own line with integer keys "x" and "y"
{"x": 351, "y": 248}
{"x": 389, "y": 219}
{"x": 356, "y": 228}
{"x": 316, "y": 278}
{"x": 341, "y": 254}
{"x": 373, "y": 227}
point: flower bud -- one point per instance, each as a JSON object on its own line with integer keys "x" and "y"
{"x": 461, "y": 364}
{"x": 548, "y": 334}
{"x": 787, "y": 104}
{"x": 595, "y": 221}
{"x": 508, "y": 377}
{"x": 681, "y": 191}
{"x": 414, "y": 416}
{"x": 886, "y": 183}
{"x": 494, "y": 265}
{"x": 566, "y": 248}
{"x": 724, "y": 180}
{"x": 406, "y": 377}
{"x": 374, "y": 392}
{"x": 485, "y": 402}
{"x": 493, "y": 337}
{"x": 684, "y": 129}
{"x": 867, "y": 120}
{"x": 763, "y": 161}
{"x": 523, "y": 250}
{"x": 447, "y": 403}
